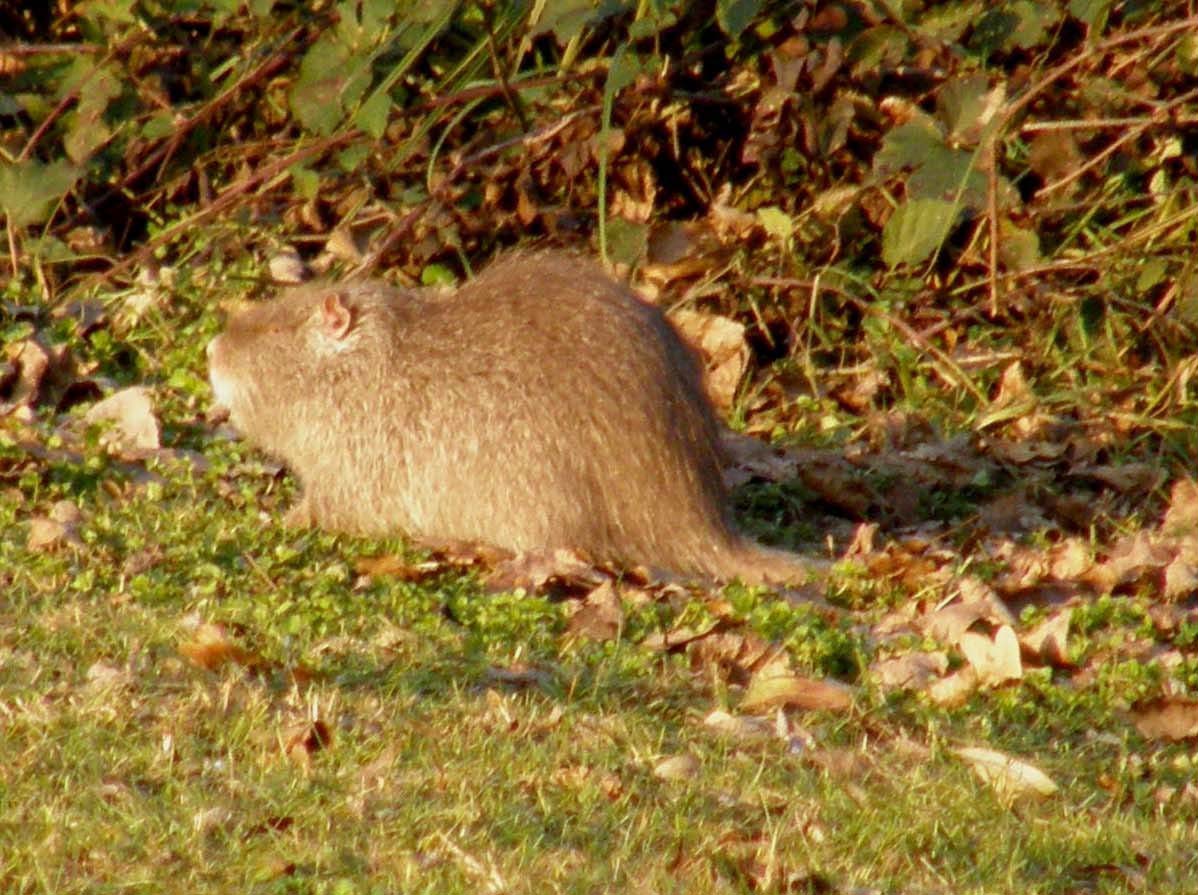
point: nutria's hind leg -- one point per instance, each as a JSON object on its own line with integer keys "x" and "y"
{"x": 300, "y": 515}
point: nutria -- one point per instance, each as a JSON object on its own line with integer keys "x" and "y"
{"x": 540, "y": 405}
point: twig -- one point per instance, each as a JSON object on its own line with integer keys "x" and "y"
{"x": 953, "y": 372}
{"x": 992, "y": 213}
{"x": 23, "y": 49}
{"x": 1114, "y": 147}
{"x": 236, "y": 191}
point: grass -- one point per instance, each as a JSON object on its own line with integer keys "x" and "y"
{"x": 405, "y": 760}
{"x": 193, "y": 698}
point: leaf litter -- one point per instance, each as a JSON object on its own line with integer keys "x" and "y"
{"x": 992, "y": 544}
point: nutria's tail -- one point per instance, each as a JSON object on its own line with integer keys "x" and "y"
{"x": 753, "y": 564}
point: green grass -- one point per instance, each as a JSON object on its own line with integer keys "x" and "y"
{"x": 125, "y": 767}
{"x": 381, "y": 736}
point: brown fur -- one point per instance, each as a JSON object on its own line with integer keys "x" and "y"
{"x": 541, "y": 405}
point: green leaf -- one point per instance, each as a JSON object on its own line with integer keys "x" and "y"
{"x": 948, "y": 174}
{"x": 876, "y": 47}
{"x": 776, "y": 222}
{"x": 351, "y": 158}
{"x": 908, "y": 145}
{"x": 159, "y": 126}
{"x": 1092, "y": 12}
{"x": 372, "y": 116}
{"x": 567, "y": 18}
{"x": 1019, "y": 248}
{"x": 624, "y": 68}
{"x": 734, "y": 16}
{"x": 307, "y": 182}
{"x": 96, "y": 86}
{"x": 946, "y": 22}
{"x": 916, "y": 229}
{"x": 627, "y": 240}
{"x": 316, "y": 96}
{"x": 437, "y": 275}
{"x": 28, "y": 189}
{"x": 966, "y": 105}
{"x": 1152, "y": 272}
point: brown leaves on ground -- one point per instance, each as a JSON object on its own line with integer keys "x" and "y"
{"x": 1010, "y": 776}
{"x": 213, "y": 648}
{"x": 1167, "y": 718}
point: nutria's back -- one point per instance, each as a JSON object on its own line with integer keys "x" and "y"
{"x": 540, "y": 405}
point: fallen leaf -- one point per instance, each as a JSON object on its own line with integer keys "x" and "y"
{"x": 1182, "y": 513}
{"x": 1167, "y": 718}
{"x": 1127, "y": 478}
{"x": 390, "y": 565}
{"x": 912, "y": 671}
{"x": 768, "y": 690}
{"x": 1070, "y": 559}
{"x": 953, "y": 690}
{"x": 534, "y": 571}
{"x": 721, "y": 341}
{"x": 287, "y": 267}
{"x": 600, "y": 616}
{"x": 973, "y": 590}
{"x": 1130, "y": 560}
{"x": 677, "y": 767}
{"x": 1181, "y": 579}
{"x": 994, "y": 660}
{"x": 862, "y": 543}
{"x": 32, "y": 362}
{"x": 211, "y": 648}
{"x": 742, "y": 727}
{"x": 308, "y": 739}
{"x": 135, "y": 430}
{"x": 947, "y": 625}
{"x": 1047, "y": 642}
{"x": 1006, "y": 774}
{"x": 519, "y": 674}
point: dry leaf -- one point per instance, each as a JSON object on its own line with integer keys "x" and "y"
{"x": 1181, "y": 579}
{"x": 211, "y": 648}
{"x": 48, "y": 533}
{"x": 768, "y": 690}
{"x": 1048, "y": 641}
{"x": 677, "y": 767}
{"x": 974, "y": 590}
{"x": 1006, "y": 774}
{"x": 1070, "y": 559}
{"x": 135, "y": 430}
{"x": 1012, "y": 387}
{"x": 1167, "y": 718}
{"x": 32, "y": 362}
{"x": 519, "y": 674}
{"x": 862, "y": 543}
{"x": 1130, "y": 560}
{"x": 1182, "y": 513}
{"x": 952, "y": 691}
{"x": 754, "y": 458}
{"x": 912, "y": 671}
{"x": 721, "y": 341}
{"x": 740, "y": 726}
{"x": 1128, "y": 478}
{"x": 995, "y": 661}
{"x": 390, "y": 565}
{"x": 287, "y": 268}
{"x": 948, "y": 624}
{"x": 600, "y": 616}
{"x": 534, "y": 570}
{"x": 307, "y": 740}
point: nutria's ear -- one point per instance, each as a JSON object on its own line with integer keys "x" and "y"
{"x": 335, "y": 316}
